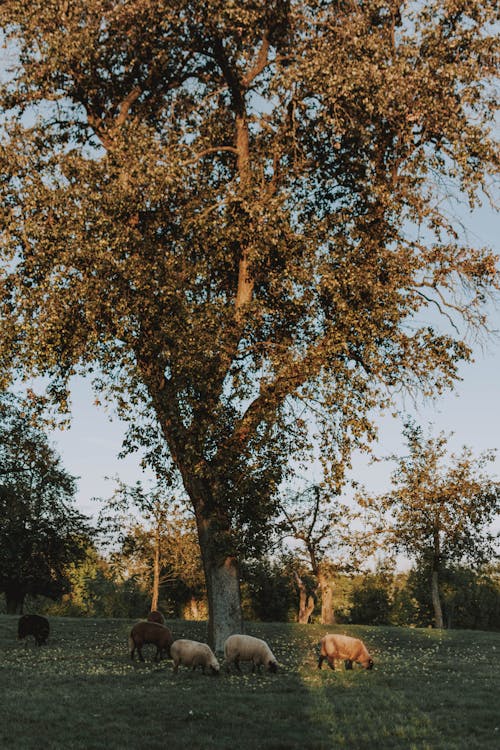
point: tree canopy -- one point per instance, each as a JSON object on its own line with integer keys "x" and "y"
{"x": 232, "y": 215}
{"x": 41, "y": 533}
{"x": 442, "y": 506}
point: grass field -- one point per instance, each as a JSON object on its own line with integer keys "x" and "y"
{"x": 429, "y": 689}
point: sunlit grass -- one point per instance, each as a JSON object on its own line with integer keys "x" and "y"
{"x": 429, "y": 689}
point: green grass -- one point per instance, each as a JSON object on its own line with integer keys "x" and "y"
{"x": 429, "y": 689}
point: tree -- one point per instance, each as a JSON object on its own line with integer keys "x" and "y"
{"x": 442, "y": 507}
{"x": 268, "y": 591}
{"x": 213, "y": 206}
{"x": 40, "y": 531}
{"x": 471, "y": 597}
{"x": 159, "y": 547}
{"x": 328, "y": 544}
{"x": 371, "y": 599}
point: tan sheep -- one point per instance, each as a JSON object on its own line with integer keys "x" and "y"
{"x": 150, "y": 632}
{"x": 193, "y": 654}
{"x": 247, "y": 648}
{"x": 344, "y": 647}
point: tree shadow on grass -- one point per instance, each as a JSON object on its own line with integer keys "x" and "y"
{"x": 418, "y": 695}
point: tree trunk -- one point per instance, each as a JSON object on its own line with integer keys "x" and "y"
{"x": 193, "y": 610}
{"x": 156, "y": 571}
{"x": 223, "y": 587}
{"x": 306, "y": 601}
{"x": 436, "y": 601}
{"x": 224, "y": 603}
{"x": 436, "y": 561}
{"x": 327, "y": 613}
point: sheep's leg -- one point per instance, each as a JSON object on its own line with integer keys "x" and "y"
{"x": 320, "y": 661}
{"x": 237, "y": 664}
{"x": 348, "y": 663}
{"x": 176, "y": 666}
{"x": 331, "y": 663}
{"x": 141, "y": 657}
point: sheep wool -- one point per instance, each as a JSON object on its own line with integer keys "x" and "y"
{"x": 193, "y": 654}
{"x": 156, "y": 616}
{"x": 247, "y": 648}
{"x": 150, "y": 632}
{"x": 34, "y": 625}
{"x": 336, "y": 646}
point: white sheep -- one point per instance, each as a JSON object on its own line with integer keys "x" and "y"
{"x": 344, "y": 647}
{"x": 247, "y": 648}
{"x": 193, "y": 654}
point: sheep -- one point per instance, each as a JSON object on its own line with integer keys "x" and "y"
{"x": 344, "y": 647}
{"x": 34, "y": 625}
{"x": 156, "y": 616}
{"x": 150, "y": 632}
{"x": 193, "y": 654}
{"x": 247, "y": 648}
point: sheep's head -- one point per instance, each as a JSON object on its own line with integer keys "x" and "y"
{"x": 368, "y": 664}
{"x": 214, "y": 666}
{"x": 272, "y": 665}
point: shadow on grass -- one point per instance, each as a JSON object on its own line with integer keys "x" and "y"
{"x": 429, "y": 689}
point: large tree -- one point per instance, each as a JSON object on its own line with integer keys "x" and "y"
{"x": 41, "y": 532}
{"x": 442, "y": 507}
{"x": 214, "y": 206}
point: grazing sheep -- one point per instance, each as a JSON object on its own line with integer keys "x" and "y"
{"x": 247, "y": 648}
{"x": 150, "y": 632}
{"x": 34, "y": 625}
{"x": 156, "y": 616}
{"x": 193, "y": 654}
{"x": 344, "y": 647}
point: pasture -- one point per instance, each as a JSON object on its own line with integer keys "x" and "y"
{"x": 429, "y": 690}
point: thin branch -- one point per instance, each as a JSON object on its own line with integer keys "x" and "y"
{"x": 439, "y": 307}
{"x": 260, "y": 63}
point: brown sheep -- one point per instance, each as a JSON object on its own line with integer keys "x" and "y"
{"x": 150, "y": 632}
{"x": 34, "y": 625}
{"x": 344, "y": 647}
{"x": 156, "y": 616}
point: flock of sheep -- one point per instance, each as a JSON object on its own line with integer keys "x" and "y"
{"x": 237, "y": 648}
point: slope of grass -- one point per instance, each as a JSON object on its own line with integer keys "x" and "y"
{"x": 429, "y": 689}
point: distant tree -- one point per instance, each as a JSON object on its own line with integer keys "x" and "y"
{"x": 441, "y": 507}
{"x": 160, "y": 547}
{"x": 371, "y": 599}
{"x": 233, "y": 215}
{"x": 95, "y": 589}
{"x": 268, "y": 592}
{"x": 40, "y": 532}
{"x": 328, "y": 543}
{"x": 470, "y": 597}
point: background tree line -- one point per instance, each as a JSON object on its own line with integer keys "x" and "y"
{"x": 143, "y": 551}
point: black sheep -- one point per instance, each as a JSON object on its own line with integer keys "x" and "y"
{"x": 34, "y": 625}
